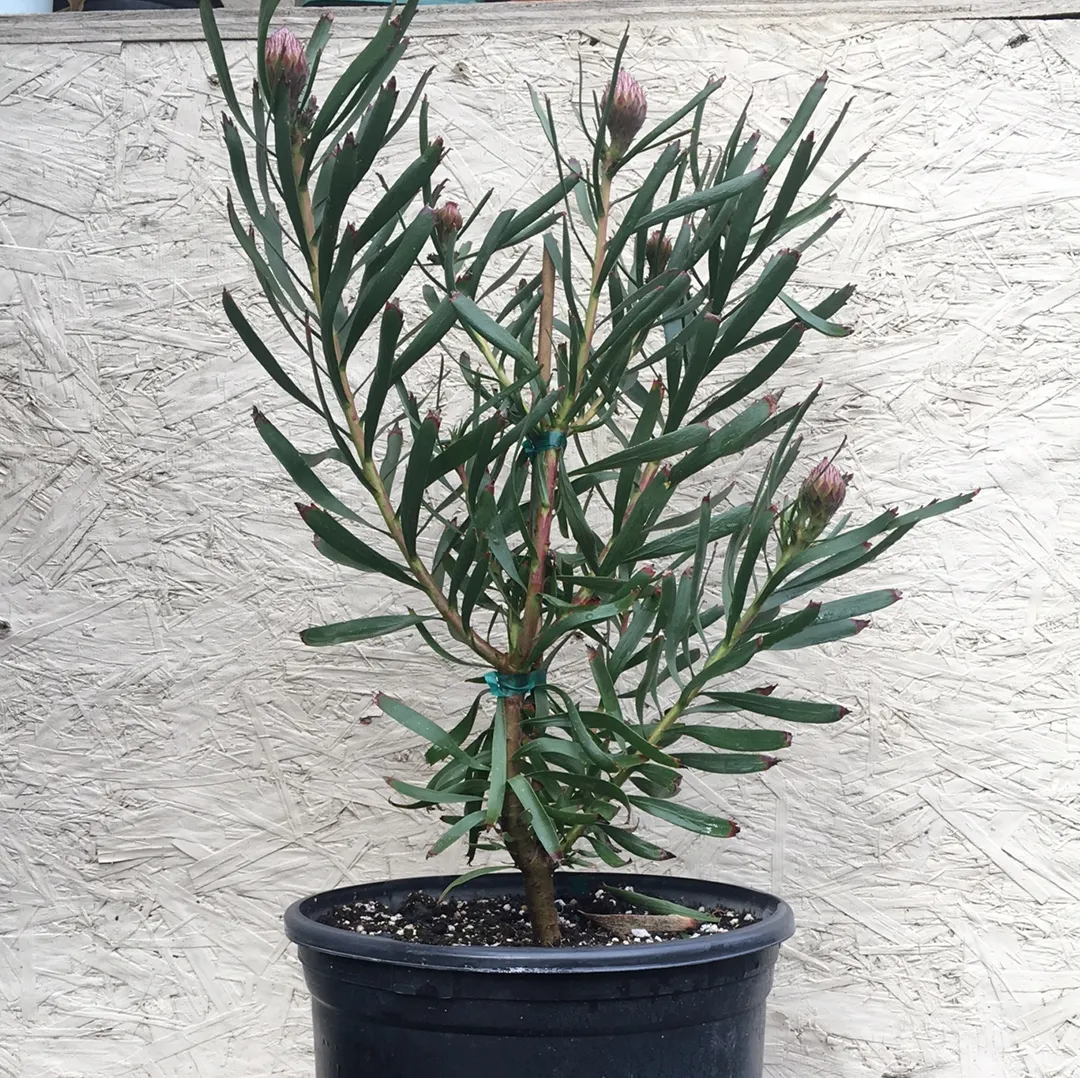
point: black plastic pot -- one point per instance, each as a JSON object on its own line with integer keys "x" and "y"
{"x": 692, "y": 1008}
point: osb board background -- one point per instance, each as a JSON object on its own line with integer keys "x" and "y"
{"x": 176, "y": 767}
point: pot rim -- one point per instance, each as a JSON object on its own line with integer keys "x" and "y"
{"x": 776, "y": 925}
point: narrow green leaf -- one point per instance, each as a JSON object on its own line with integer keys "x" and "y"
{"x": 389, "y": 331}
{"x": 662, "y": 905}
{"x": 663, "y": 783}
{"x": 221, "y": 65}
{"x": 559, "y": 749}
{"x": 605, "y": 851}
{"x": 588, "y": 542}
{"x": 635, "y": 845}
{"x": 689, "y": 818}
{"x": 830, "y": 329}
{"x": 426, "y": 338}
{"x": 454, "y": 832}
{"x": 821, "y": 634}
{"x": 388, "y": 469}
{"x": 427, "y": 794}
{"x": 492, "y": 242}
{"x": 797, "y": 174}
{"x": 340, "y": 169}
{"x": 472, "y": 874}
{"x": 415, "y": 482}
{"x": 522, "y": 221}
{"x": 263, "y": 354}
{"x": 752, "y": 544}
{"x": 476, "y": 586}
{"x": 632, "y": 635}
{"x": 463, "y": 448}
{"x": 459, "y": 734}
{"x": 734, "y": 660}
{"x": 596, "y": 755}
{"x": 538, "y": 817}
{"x": 486, "y": 326}
{"x": 777, "y": 708}
{"x": 382, "y": 285}
{"x": 283, "y": 150}
{"x": 636, "y": 216}
{"x": 419, "y": 724}
{"x": 642, "y": 432}
{"x": 298, "y": 469}
{"x": 343, "y": 632}
{"x": 764, "y": 369}
{"x": 678, "y": 542}
{"x": 352, "y": 547}
{"x": 701, "y": 551}
{"x": 702, "y": 200}
{"x": 654, "y": 450}
{"x": 497, "y": 776}
{"x": 605, "y": 685}
{"x": 734, "y": 740}
{"x": 758, "y": 299}
{"x": 401, "y": 192}
{"x": 798, "y": 123}
{"x": 238, "y": 166}
{"x": 734, "y": 763}
{"x": 857, "y": 606}
{"x": 593, "y": 787}
{"x": 577, "y": 619}
{"x": 358, "y": 70}
{"x": 631, "y": 737}
{"x": 788, "y": 626}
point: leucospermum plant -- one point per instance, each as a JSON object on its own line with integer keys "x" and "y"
{"x": 614, "y": 342}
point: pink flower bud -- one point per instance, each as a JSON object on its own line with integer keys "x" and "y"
{"x": 286, "y": 62}
{"x": 823, "y": 491}
{"x": 657, "y": 252}
{"x": 627, "y": 113}
{"x": 820, "y": 496}
{"x": 447, "y": 221}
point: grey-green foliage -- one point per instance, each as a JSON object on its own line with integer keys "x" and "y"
{"x": 506, "y": 556}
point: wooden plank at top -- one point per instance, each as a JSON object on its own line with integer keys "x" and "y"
{"x": 552, "y": 17}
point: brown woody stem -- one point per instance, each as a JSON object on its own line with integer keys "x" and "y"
{"x": 536, "y": 867}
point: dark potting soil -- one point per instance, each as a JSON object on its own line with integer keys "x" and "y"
{"x": 503, "y": 921}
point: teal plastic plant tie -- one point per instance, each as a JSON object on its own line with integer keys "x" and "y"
{"x": 537, "y": 443}
{"x": 515, "y": 684}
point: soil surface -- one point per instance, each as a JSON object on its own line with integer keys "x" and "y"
{"x": 503, "y": 922}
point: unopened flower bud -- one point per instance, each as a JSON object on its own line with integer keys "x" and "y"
{"x": 627, "y": 112}
{"x": 823, "y": 490}
{"x": 657, "y": 252}
{"x": 286, "y": 62}
{"x": 447, "y": 221}
{"x": 820, "y": 496}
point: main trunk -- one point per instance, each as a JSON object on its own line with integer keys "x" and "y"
{"x": 536, "y": 867}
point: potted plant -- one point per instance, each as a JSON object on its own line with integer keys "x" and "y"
{"x": 531, "y": 502}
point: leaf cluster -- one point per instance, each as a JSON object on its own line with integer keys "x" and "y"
{"x": 553, "y": 510}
